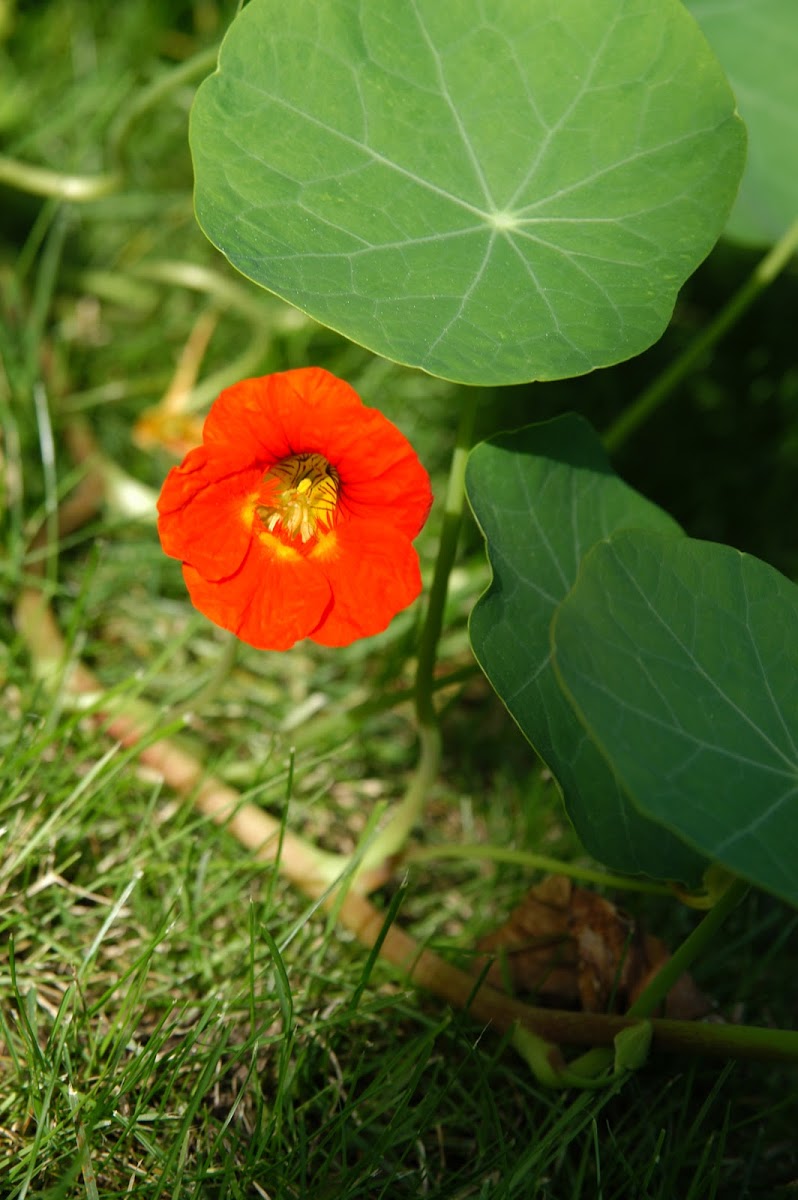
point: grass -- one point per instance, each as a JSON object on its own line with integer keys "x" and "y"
{"x": 178, "y": 1021}
{"x": 200, "y": 1029}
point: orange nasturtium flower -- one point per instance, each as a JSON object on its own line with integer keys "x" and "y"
{"x": 294, "y": 518}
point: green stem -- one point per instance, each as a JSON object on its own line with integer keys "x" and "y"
{"x": 596, "y": 1061}
{"x": 727, "y": 1041}
{"x": 394, "y": 834}
{"x": 61, "y": 185}
{"x": 654, "y": 395}
{"x": 404, "y": 816}
{"x": 450, "y": 533}
{"x": 691, "y": 949}
{"x": 534, "y": 862}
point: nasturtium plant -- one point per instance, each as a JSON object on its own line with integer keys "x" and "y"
{"x": 681, "y": 659}
{"x": 543, "y": 496}
{"x": 757, "y": 44}
{"x": 498, "y": 196}
{"x": 494, "y": 194}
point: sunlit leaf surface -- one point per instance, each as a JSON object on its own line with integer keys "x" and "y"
{"x": 492, "y": 192}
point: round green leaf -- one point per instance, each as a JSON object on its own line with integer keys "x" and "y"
{"x": 757, "y": 43}
{"x": 681, "y": 657}
{"x": 492, "y": 193}
{"x": 543, "y": 496}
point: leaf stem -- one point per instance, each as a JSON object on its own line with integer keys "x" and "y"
{"x": 534, "y": 862}
{"x": 403, "y": 817}
{"x": 693, "y": 946}
{"x": 657, "y": 392}
{"x": 392, "y": 837}
{"x": 450, "y": 532}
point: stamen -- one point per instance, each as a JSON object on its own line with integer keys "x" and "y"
{"x": 306, "y": 498}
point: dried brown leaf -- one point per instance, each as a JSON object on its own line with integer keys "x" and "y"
{"x": 573, "y": 948}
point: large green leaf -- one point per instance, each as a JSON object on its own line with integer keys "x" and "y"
{"x": 543, "y": 496}
{"x": 757, "y": 43}
{"x": 682, "y": 659}
{"x": 494, "y": 193}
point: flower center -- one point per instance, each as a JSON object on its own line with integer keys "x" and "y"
{"x": 303, "y": 495}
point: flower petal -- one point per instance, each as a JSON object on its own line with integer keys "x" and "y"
{"x": 373, "y": 572}
{"x": 248, "y": 420}
{"x": 400, "y": 495}
{"x": 184, "y": 481}
{"x": 271, "y": 602}
{"x": 204, "y": 519}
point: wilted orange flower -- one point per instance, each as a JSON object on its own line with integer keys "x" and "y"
{"x": 294, "y": 518}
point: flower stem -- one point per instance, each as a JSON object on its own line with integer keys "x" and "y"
{"x": 397, "y": 829}
{"x": 450, "y": 532}
{"x": 658, "y": 391}
{"x": 392, "y": 837}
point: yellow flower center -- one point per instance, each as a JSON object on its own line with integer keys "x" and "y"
{"x": 305, "y": 498}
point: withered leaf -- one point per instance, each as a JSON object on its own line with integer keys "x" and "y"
{"x": 574, "y": 949}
